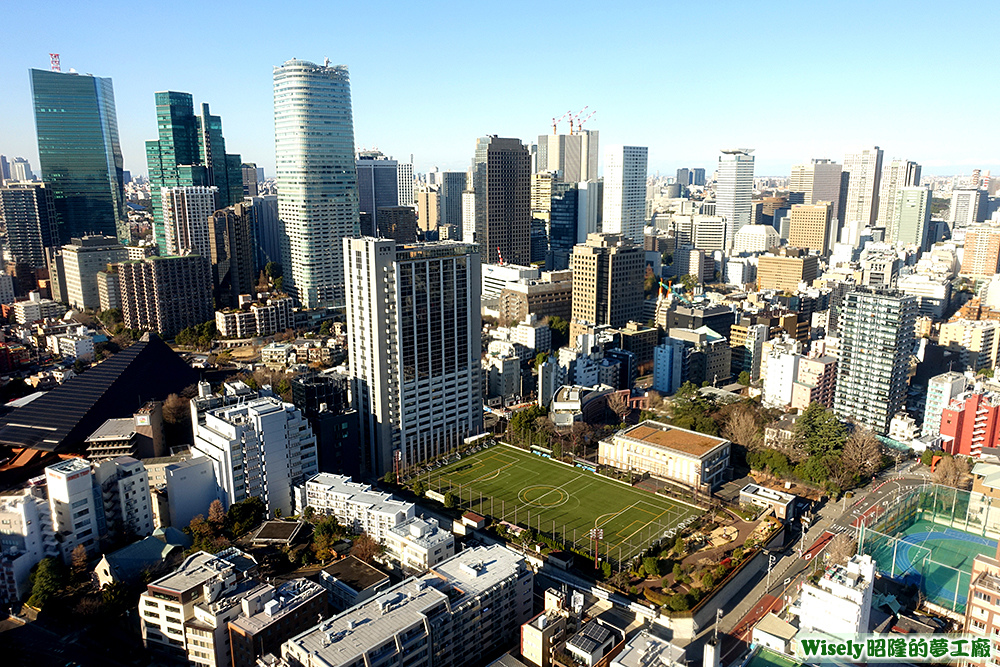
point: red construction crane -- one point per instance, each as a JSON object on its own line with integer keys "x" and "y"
{"x": 580, "y": 122}
{"x": 556, "y": 121}
{"x": 574, "y": 116}
{"x": 54, "y": 62}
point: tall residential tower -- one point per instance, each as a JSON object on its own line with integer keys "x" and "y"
{"x": 413, "y": 319}
{"x": 317, "y": 177}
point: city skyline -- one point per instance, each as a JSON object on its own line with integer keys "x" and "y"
{"x": 440, "y": 129}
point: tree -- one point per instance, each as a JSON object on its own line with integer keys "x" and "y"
{"x": 743, "y": 378}
{"x": 79, "y": 562}
{"x": 273, "y": 270}
{"x": 618, "y": 404}
{"x": 308, "y": 513}
{"x": 952, "y": 471}
{"x": 244, "y": 515}
{"x": 708, "y": 581}
{"x": 743, "y": 428}
{"x": 450, "y": 500}
{"x": 862, "y": 453}
{"x": 79, "y": 366}
{"x": 841, "y": 549}
{"x": 326, "y": 532}
{"x": 217, "y": 515}
{"x": 176, "y": 410}
{"x": 47, "y": 580}
{"x": 365, "y": 548}
{"x": 324, "y": 328}
{"x": 689, "y": 281}
{"x": 389, "y": 478}
{"x": 927, "y": 457}
{"x": 540, "y": 359}
{"x": 419, "y": 488}
{"x": 560, "y": 331}
{"x": 820, "y": 431}
{"x": 651, "y": 565}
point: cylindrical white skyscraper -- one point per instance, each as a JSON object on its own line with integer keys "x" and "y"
{"x": 317, "y": 178}
{"x": 734, "y": 190}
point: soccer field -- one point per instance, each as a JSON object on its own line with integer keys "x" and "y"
{"x": 560, "y": 501}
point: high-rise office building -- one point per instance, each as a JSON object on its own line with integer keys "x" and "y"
{"x": 317, "y": 178}
{"x": 683, "y": 178}
{"x": 428, "y": 198}
{"x": 189, "y": 151}
{"x": 453, "y": 184}
{"x": 186, "y": 218}
{"x": 864, "y": 174}
{"x": 78, "y": 152}
{"x": 734, "y": 190}
{"x": 501, "y": 180}
{"x": 572, "y": 156}
{"x": 965, "y": 208}
{"x": 895, "y": 175}
{"x": 398, "y": 223}
{"x": 608, "y": 272}
{"x": 912, "y": 217}
{"x": 698, "y": 176}
{"x": 815, "y": 182}
{"x": 809, "y": 226}
{"x": 414, "y": 363}
{"x": 28, "y": 214}
{"x": 564, "y": 223}
{"x": 20, "y": 170}
{"x": 260, "y": 448}
{"x": 166, "y": 294}
{"x": 231, "y": 251}
{"x": 4, "y": 169}
{"x": 268, "y": 239}
{"x": 876, "y": 341}
{"x": 378, "y": 184}
{"x": 404, "y": 172}
{"x": 249, "y": 170}
{"x": 82, "y": 259}
{"x": 625, "y": 191}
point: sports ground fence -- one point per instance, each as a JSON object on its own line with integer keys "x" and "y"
{"x": 929, "y": 535}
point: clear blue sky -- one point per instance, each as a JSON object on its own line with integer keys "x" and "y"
{"x": 793, "y": 80}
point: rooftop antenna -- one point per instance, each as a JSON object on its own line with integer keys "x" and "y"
{"x": 54, "y": 62}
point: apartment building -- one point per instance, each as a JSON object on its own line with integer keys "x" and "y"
{"x": 418, "y": 544}
{"x": 263, "y": 318}
{"x": 355, "y": 505}
{"x": 468, "y": 607}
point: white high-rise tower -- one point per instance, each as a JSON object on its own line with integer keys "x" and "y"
{"x": 415, "y": 330}
{"x": 625, "y": 191}
{"x": 861, "y": 203}
{"x": 734, "y": 190}
{"x": 317, "y": 178}
{"x": 896, "y": 174}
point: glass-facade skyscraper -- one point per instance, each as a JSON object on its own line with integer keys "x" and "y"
{"x": 79, "y": 153}
{"x": 317, "y": 177}
{"x": 190, "y": 151}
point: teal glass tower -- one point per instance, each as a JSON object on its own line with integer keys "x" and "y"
{"x": 190, "y": 151}
{"x": 79, "y": 153}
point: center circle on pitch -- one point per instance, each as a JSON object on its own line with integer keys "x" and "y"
{"x": 542, "y": 495}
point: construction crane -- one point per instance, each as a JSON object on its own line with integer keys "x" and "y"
{"x": 574, "y": 116}
{"x": 54, "y": 62}
{"x": 581, "y": 121}
{"x": 556, "y": 121}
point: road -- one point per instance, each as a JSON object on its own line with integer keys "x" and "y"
{"x": 771, "y": 593}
